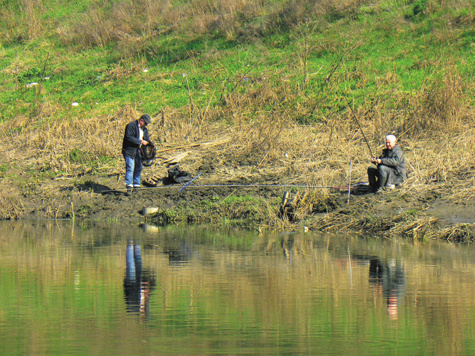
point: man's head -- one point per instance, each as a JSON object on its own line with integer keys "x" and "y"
{"x": 144, "y": 120}
{"x": 391, "y": 141}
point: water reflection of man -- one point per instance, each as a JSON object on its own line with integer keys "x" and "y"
{"x": 287, "y": 244}
{"x": 390, "y": 281}
{"x": 138, "y": 283}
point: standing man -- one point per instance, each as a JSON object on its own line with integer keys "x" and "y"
{"x": 136, "y": 135}
{"x": 391, "y": 167}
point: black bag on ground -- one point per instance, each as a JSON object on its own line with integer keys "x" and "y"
{"x": 177, "y": 176}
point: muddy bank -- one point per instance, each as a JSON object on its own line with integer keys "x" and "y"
{"x": 414, "y": 212}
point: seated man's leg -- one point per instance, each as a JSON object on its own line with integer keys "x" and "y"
{"x": 386, "y": 175}
{"x": 395, "y": 179}
{"x": 373, "y": 177}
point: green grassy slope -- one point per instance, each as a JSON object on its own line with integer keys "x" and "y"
{"x": 314, "y": 58}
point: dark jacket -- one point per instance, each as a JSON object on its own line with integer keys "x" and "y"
{"x": 131, "y": 143}
{"x": 395, "y": 159}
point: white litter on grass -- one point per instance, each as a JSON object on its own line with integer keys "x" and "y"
{"x": 75, "y": 103}
{"x": 47, "y": 78}
{"x": 145, "y": 70}
{"x": 30, "y": 85}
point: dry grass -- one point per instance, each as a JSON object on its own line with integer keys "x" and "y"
{"x": 11, "y": 208}
{"x": 131, "y": 24}
{"x": 442, "y": 104}
{"x": 32, "y": 10}
{"x": 267, "y": 148}
{"x": 270, "y": 140}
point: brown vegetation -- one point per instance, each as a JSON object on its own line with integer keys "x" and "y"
{"x": 132, "y": 24}
{"x": 272, "y": 148}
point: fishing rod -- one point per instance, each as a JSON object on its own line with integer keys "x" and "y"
{"x": 187, "y": 184}
{"x": 364, "y": 136}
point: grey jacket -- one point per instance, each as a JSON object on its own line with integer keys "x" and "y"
{"x": 395, "y": 159}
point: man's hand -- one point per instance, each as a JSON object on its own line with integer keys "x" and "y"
{"x": 376, "y": 160}
{"x": 144, "y": 143}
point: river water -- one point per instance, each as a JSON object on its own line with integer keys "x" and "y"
{"x": 121, "y": 289}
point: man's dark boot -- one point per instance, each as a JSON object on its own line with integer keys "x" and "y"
{"x": 373, "y": 178}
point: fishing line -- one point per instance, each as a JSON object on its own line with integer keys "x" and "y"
{"x": 181, "y": 187}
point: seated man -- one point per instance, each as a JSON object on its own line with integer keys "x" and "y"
{"x": 391, "y": 167}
